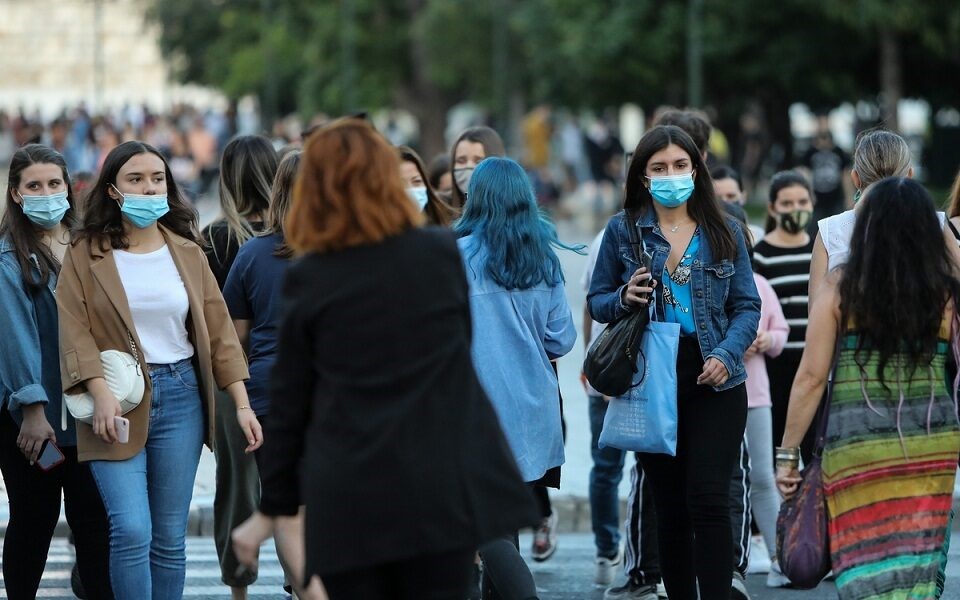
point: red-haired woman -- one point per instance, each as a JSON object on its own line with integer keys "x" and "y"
{"x": 374, "y": 392}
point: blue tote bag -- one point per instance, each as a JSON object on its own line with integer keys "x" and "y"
{"x": 645, "y": 418}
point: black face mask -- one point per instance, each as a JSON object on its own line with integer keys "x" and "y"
{"x": 795, "y": 221}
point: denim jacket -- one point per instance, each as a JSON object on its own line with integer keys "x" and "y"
{"x": 726, "y": 305}
{"x": 30, "y": 359}
{"x": 516, "y": 333}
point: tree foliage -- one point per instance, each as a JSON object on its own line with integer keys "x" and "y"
{"x": 426, "y": 55}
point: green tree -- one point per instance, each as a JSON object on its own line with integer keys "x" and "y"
{"x": 338, "y": 56}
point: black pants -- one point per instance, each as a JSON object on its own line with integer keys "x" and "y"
{"x": 505, "y": 573}
{"x": 692, "y": 490}
{"x": 642, "y": 551}
{"x": 442, "y": 576}
{"x": 34, "y": 497}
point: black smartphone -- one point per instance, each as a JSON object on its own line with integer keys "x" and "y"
{"x": 646, "y": 260}
{"x": 50, "y": 456}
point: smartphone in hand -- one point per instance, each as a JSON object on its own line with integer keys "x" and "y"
{"x": 50, "y": 456}
{"x": 123, "y": 429}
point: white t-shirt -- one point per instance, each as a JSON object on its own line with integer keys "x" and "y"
{"x": 595, "y": 328}
{"x": 836, "y": 231}
{"x": 158, "y": 303}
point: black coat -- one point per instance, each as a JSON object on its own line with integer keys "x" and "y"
{"x": 376, "y": 406}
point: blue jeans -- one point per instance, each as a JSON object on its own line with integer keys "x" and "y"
{"x": 147, "y": 497}
{"x": 605, "y": 479}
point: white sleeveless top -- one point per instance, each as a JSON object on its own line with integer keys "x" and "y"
{"x": 836, "y": 231}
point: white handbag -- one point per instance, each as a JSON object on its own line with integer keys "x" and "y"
{"x": 124, "y": 378}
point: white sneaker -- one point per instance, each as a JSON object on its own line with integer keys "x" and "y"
{"x": 738, "y": 587}
{"x": 776, "y": 578}
{"x": 607, "y": 568}
{"x": 759, "y": 556}
{"x": 632, "y": 590}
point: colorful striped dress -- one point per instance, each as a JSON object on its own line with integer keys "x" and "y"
{"x": 889, "y": 464}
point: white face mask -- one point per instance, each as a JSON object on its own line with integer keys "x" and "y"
{"x": 418, "y": 195}
{"x": 461, "y": 176}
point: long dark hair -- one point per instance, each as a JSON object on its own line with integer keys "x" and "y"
{"x": 702, "y": 205}
{"x": 782, "y": 181}
{"x": 26, "y": 239}
{"x": 492, "y": 146}
{"x": 898, "y": 277}
{"x": 102, "y": 222}
{"x": 437, "y": 211}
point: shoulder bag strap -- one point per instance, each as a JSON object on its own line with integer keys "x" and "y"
{"x": 630, "y": 219}
{"x": 953, "y": 228}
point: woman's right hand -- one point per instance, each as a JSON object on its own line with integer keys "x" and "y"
{"x": 637, "y": 291}
{"x": 34, "y": 431}
{"x": 105, "y": 408}
{"x": 788, "y": 481}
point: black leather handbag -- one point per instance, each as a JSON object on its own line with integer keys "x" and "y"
{"x": 613, "y": 358}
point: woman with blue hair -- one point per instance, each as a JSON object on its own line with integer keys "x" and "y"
{"x": 521, "y": 322}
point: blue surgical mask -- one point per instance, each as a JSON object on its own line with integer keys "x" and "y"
{"x": 45, "y": 212}
{"x": 418, "y": 195}
{"x": 672, "y": 190}
{"x": 143, "y": 210}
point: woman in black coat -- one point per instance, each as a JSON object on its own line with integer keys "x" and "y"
{"x": 378, "y": 424}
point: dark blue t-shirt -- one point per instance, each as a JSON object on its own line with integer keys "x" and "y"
{"x": 253, "y": 293}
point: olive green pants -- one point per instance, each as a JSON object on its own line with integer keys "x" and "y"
{"x": 238, "y": 489}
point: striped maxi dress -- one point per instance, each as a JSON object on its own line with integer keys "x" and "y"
{"x": 889, "y": 464}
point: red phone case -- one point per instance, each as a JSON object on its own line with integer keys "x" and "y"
{"x": 47, "y": 444}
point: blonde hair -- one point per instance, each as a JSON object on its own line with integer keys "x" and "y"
{"x": 247, "y": 170}
{"x": 879, "y": 154}
{"x": 954, "y": 209}
{"x": 280, "y": 201}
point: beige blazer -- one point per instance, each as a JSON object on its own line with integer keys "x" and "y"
{"x": 95, "y": 316}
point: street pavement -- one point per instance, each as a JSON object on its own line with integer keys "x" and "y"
{"x": 566, "y": 576}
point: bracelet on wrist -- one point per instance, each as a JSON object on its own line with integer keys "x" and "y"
{"x": 239, "y": 408}
{"x": 793, "y": 452}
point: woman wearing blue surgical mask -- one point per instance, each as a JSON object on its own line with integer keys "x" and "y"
{"x": 135, "y": 280}
{"x": 703, "y": 282}
{"x": 414, "y": 177}
{"x": 33, "y": 239}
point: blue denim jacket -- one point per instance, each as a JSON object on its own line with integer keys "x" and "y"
{"x": 726, "y": 305}
{"x": 30, "y": 359}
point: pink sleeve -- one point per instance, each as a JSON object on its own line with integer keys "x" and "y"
{"x": 771, "y": 317}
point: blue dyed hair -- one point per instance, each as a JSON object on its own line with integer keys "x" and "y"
{"x": 502, "y": 212}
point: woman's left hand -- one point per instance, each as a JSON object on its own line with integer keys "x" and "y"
{"x": 714, "y": 373}
{"x": 249, "y": 536}
{"x": 251, "y": 429}
{"x": 788, "y": 480}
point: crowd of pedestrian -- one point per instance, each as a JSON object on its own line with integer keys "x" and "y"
{"x": 368, "y": 344}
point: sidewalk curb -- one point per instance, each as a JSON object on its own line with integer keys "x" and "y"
{"x": 573, "y": 511}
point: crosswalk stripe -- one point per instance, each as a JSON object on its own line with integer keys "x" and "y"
{"x": 202, "y": 578}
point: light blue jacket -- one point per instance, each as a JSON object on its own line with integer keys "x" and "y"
{"x": 516, "y": 333}
{"x": 30, "y": 353}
